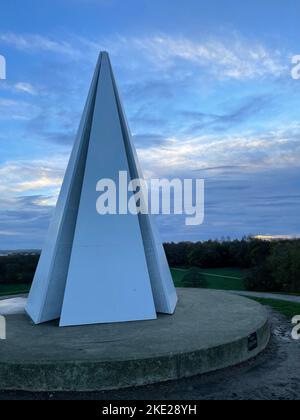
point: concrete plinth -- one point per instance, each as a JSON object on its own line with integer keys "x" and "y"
{"x": 210, "y": 330}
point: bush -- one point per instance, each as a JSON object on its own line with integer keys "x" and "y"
{"x": 194, "y": 278}
{"x": 260, "y": 279}
{"x": 279, "y": 270}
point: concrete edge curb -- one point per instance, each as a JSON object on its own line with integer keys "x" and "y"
{"x": 98, "y": 376}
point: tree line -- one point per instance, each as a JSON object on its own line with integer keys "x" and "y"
{"x": 271, "y": 265}
{"x": 18, "y": 268}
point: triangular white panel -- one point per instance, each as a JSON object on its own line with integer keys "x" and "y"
{"x": 47, "y": 291}
{"x": 93, "y": 268}
{"x": 164, "y": 292}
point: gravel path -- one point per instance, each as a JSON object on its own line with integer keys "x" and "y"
{"x": 273, "y": 375}
{"x": 275, "y": 296}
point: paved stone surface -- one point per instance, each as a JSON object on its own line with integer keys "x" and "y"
{"x": 273, "y": 375}
{"x": 13, "y": 296}
{"x": 209, "y": 331}
{"x": 13, "y": 306}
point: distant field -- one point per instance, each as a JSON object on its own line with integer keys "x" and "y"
{"x": 217, "y": 278}
{"x": 13, "y": 289}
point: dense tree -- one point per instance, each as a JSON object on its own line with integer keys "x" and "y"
{"x": 260, "y": 278}
{"x": 18, "y": 268}
{"x": 277, "y": 268}
{"x": 272, "y": 266}
{"x": 2, "y": 270}
{"x": 177, "y": 254}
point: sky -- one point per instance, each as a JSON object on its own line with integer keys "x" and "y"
{"x": 208, "y": 93}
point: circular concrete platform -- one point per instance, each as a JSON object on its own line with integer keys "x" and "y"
{"x": 210, "y": 330}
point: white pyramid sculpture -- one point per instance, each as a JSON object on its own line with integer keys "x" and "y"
{"x": 100, "y": 268}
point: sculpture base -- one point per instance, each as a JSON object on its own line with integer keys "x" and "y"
{"x": 210, "y": 330}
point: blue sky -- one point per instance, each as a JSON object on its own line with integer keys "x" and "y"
{"x": 208, "y": 92}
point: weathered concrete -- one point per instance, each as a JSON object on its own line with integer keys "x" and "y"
{"x": 13, "y": 306}
{"x": 209, "y": 331}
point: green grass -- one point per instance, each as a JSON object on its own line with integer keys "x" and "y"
{"x": 288, "y": 309}
{"x": 287, "y": 293}
{"x": 217, "y": 278}
{"x": 13, "y": 289}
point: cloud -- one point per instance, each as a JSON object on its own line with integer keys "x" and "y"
{"x": 250, "y": 109}
{"x": 232, "y": 207}
{"x": 28, "y": 197}
{"x": 35, "y": 177}
{"x": 25, "y": 87}
{"x": 9, "y": 233}
{"x": 11, "y": 109}
{"x": 174, "y": 88}
{"x": 231, "y": 57}
{"x": 37, "y": 43}
{"x": 56, "y": 126}
{"x": 230, "y": 168}
{"x": 148, "y": 140}
{"x": 249, "y": 151}
{"x": 23, "y": 222}
{"x": 31, "y": 188}
{"x": 19, "y": 87}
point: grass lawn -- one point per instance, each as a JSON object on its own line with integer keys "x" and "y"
{"x": 217, "y": 278}
{"x": 288, "y": 309}
{"x": 13, "y": 289}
